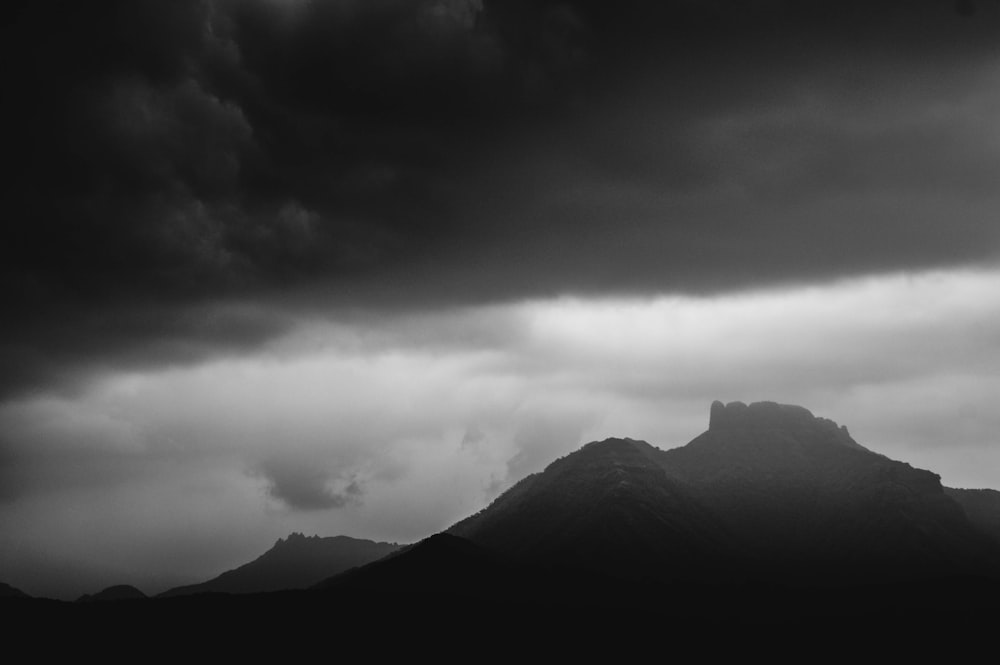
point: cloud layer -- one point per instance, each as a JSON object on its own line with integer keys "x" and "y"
{"x": 173, "y": 159}
{"x": 393, "y": 428}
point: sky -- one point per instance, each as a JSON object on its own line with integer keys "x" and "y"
{"x": 356, "y": 266}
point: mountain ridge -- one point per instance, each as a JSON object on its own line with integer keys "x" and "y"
{"x": 769, "y": 491}
{"x": 8, "y": 591}
{"x": 295, "y": 562}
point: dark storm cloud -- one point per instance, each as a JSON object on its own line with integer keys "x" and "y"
{"x": 171, "y": 156}
{"x": 302, "y": 485}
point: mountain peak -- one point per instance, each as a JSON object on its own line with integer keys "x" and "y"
{"x": 772, "y": 416}
{"x": 295, "y": 538}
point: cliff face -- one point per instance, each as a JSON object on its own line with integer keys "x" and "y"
{"x": 772, "y": 418}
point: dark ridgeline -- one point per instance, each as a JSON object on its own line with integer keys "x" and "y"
{"x": 771, "y": 523}
{"x": 113, "y": 593}
{"x": 7, "y": 591}
{"x": 295, "y": 562}
{"x": 769, "y": 493}
{"x": 610, "y": 508}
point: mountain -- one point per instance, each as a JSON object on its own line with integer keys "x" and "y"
{"x": 113, "y": 593}
{"x": 7, "y": 591}
{"x": 982, "y": 507}
{"x": 768, "y": 492}
{"x": 801, "y": 495}
{"x": 610, "y": 507}
{"x": 295, "y": 562}
{"x": 772, "y": 530}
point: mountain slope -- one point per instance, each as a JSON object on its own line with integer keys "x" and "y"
{"x": 801, "y": 493}
{"x": 293, "y": 563}
{"x": 769, "y": 492}
{"x": 982, "y": 507}
{"x": 441, "y": 563}
{"x": 609, "y": 508}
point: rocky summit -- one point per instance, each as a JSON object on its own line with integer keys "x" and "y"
{"x": 769, "y": 491}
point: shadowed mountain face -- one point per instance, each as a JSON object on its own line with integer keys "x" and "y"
{"x": 609, "y": 507}
{"x": 7, "y": 591}
{"x": 119, "y": 592}
{"x": 769, "y": 492}
{"x": 800, "y": 493}
{"x": 440, "y": 563}
{"x": 982, "y": 508}
{"x": 295, "y": 562}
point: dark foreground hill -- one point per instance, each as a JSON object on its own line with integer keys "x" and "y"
{"x": 7, "y": 591}
{"x": 295, "y": 562}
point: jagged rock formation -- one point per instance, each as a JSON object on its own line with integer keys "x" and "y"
{"x": 113, "y": 593}
{"x": 768, "y": 492}
{"x": 296, "y": 562}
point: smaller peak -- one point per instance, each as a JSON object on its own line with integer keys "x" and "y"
{"x": 116, "y": 592}
{"x": 291, "y": 539}
{"x": 604, "y": 451}
{"x": 614, "y": 444}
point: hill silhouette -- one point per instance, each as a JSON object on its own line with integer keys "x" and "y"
{"x": 610, "y": 507}
{"x": 768, "y": 492}
{"x": 296, "y": 562}
{"x": 113, "y": 593}
{"x": 773, "y": 526}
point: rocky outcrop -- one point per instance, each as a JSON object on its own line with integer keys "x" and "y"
{"x": 771, "y": 416}
{"x": 800, "y": 494}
